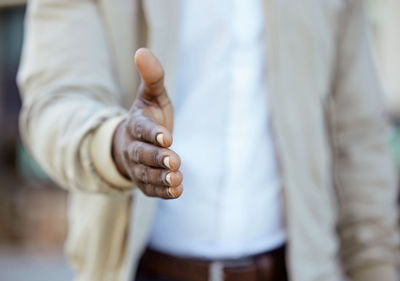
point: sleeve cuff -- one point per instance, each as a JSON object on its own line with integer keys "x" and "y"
{"x": 101, "y": 154}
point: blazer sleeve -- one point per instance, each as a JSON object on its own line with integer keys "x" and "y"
{"x": 71, "y": 101}
{"x": 364, "y": 174}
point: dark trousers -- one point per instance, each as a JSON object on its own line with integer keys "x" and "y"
{"x": 142, "y": 276}
{"x": 280, "y": 275}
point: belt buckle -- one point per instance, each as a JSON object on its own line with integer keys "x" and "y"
{"x": 216, "y": 271}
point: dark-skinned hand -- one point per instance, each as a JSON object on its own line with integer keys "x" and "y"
{"x": 141, "y": 142}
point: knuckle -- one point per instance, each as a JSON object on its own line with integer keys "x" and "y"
{"x": 144, "y": 174}
{"x": 158, "y": 190}
{"x": 130, "y": 172}
{"x": 138, "y": 130}
{"x": 157, "y": 156}
{"x": 149, "y": 189}
{"x": 140, "y": 173}
{"x": 135, "y": 171}
{"x": 156, "y": 83}
{"x": 136, "y": 151}
{"x": 125, "y": 154}
{"x": 153, "y": 176}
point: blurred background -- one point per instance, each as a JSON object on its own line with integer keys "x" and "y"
{"x": 32, "y": 209}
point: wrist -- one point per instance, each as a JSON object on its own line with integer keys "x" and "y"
{"x": 101, "y": 154}
{"x": 117, "y": 148}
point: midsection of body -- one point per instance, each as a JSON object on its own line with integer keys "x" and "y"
{"x": 231, "y": 204}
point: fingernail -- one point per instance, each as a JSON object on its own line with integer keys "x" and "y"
{"x": 166, "y": 162}
{"x": 169, "y": 192}
{"x": 160, "y": 139}
{"x": 168, "y": 178}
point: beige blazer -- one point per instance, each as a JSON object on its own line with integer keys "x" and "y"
{"x": 77, "y": 79}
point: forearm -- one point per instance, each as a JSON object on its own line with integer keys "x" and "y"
{"x": 68, "y": 90}
{"x": 375, "y": 272}
{"x": 59, "y": 134}
{"x": 366, "y": 189}
{"x": 364, "y": 175}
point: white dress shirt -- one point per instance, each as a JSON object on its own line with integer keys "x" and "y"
{"x": 231, "y": 204}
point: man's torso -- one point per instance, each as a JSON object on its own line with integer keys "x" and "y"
{"x": 231, "y": 205}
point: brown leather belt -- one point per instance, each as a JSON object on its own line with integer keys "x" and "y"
{"x": 269, "y": 266}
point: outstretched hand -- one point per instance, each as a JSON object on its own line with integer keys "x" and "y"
{"x": 141, "y": 142}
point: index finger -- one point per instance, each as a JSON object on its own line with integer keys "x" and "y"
{"x": 144, "y": 129}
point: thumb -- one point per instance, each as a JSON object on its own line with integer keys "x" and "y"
{"x": 151, "y": 71}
